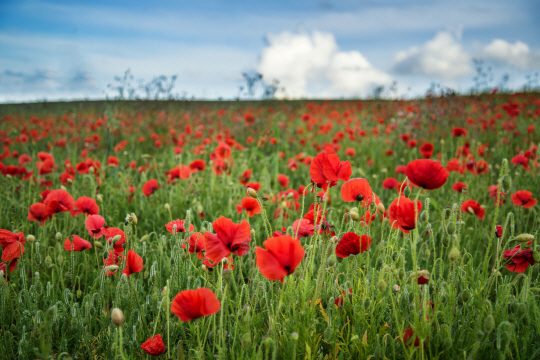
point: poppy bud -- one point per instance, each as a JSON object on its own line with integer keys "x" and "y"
{"x": 372, "y": 207}
{"x": 251, "y": 192}
{"x": 332, "y": 260}
{"x": 328, "y": 333}
{"x": 521, "y": 309}
{"x": 58, "y": 236}
{"x": 98, "y": 245}
{"x": 60, "y": 259}
{"x": 524, "y": 238}
{"x": 294, "y": 336}
{"x": 427, "y": 254}
{"x": 246, "y": 341}
{"x": 226, "y": 275}
{"x": 489, "y": 324}
{"x": 354, "y": 214}
{"x": 407, "y": 191}
{"x": 367, "y": 304}
{"x": 446, "y": 241}
{"x": 451, "y": 228}
{"x": 79, "y": 294}
{"x": 382, "y": 285}
{"x": 454, "y": 254}
{"x": 116, "y": 239}
{"x": 30, "y": 238}
{"x": 134, "y": 219}
{"x": 146, "y": 274}
{"x": 380, "y": 208}
{"x": 465, "y": 296}
{"x": 506, "y": 183}
{"x": 252, "y": 232}
{"x": 395, "y": 288}
{"x": 144, "y": 238}
{"x": 167, "y": 207}
{"x": 117, "y": 317}
{"x": 354, "y": 338}
{"x": 112, "y": 268}
{"x": 395, "y": 256}
{"x": 63, "y": 187}
{"x": 424, "y": 216}
{"x": 99, "y": 198}
{"x": 48, "y": 261}
{"x": 401, "y": 274}
{"x": 498, "y": 231}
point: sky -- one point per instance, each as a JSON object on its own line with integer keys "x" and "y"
{"x": 67, "y": 50}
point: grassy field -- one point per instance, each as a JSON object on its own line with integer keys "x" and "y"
{"x": 271, "y": 230}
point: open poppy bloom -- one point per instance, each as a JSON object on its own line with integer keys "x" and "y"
{"x": 95, "y": 225}
{"x": 150, "y": 187}
{"x": 134, "y": 263}
{"x": 39, "y": 212}
{"x": 193, "y": 304}
{"x": 402, "y": 213}
{"x": 356, "y": 190}
{"x": 390, "y": 183}
{"x": 179, "y": 226}
{"x": 280, "y": 258}
{"x": 76, "y": 244}
{"x": 326, "y": 170}
{"x": 197, "y": 165}
{"x": 229, "y": 238}
{"x": 197, "y": 243}
{"x": 154, "y": 346}
{"x": 427, "y": 174}
{"x": 523, "y": 198}
{"x": 458, "y": 186}
{"x": 426, "y": 150}
{"x": 283, "y": 180}
{"x": 85, "y": 205}
{"x": 472, "y": 207}
{"x": 110, "y": 233}
{"x": 407, "y": 338}
{"x": 251, "y": 206}
{"x": 12, "y": 245}
{"x": 246, "y": 176}
{"x": 518, "y": 260}
{"x": 352, "y": 244}
{"x": 303, "y": 228}
{"x": 58, "y": 201}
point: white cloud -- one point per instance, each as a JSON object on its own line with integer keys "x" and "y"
{"x": 518, "y": 54}
{"x": 311, "y": 65}
{"x": 442, "y": 57}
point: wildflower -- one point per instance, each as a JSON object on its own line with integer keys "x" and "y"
{"x": 472, "y": 207}
{"x": 402, "y": 213}
{"x": 180, "y": 226}
{"x": 150, "y": 187}
{"x": 352, "y": 244}
{"x": 76, "y": 244}
{"x": 426, "y": 150}
{"x": 85, "y": 205}
{"x": 111, "y": 233}
{"x": 245, "y": 177}
{"x": 427, "y": 174}
{"x": 356, "y": 190}
{"x": 12, "y": 245}
{"x": 283, "y": 180}
{"x": 197, "y": 244}
{"x": 95, "y": 225}
{"x": 193, "y": 304}
{"x": 229, "y": 238}
{"x": 134, "y": 263}
{"x": 523, "y": 198}
{"x": 39, "y": 212}
{"x": 458, "y": 186}
{"x": 280, "y": 258}
{"x": 249, "y": 204}
{"x": 390, "y": 183}
{"x": 58, "y": 201}
{"x": 154, "y": 346}
{"x": 518, "y": 260}
{"x": 326, "y": 170}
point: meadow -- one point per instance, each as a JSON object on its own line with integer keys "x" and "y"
{"x": 377, "y": 229}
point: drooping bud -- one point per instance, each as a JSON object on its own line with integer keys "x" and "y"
{"x": 62, "y": 187}
{"x": 60, "y": 259}
{"x": 145, "y": 238}
{"x": 112, "y": 268}
{"x": 380, "y": 208}
{"x": 367, "y": 304}
{"x": 98, "y": 245}
{"x": 536, "y": 256}
{"x": 99, "y": 198}
{"x": 167, "y": 207}
{"x": 30, "y": 238}
{"x": 498, "y": 231}
{"x": 251, "y": 192}
{"x": 524, "y": 238}
{"x": 395, "y": 288}
{"x": 252, "y": 232}
{"x": 116, "y": 239}
{"x": 382, "y": 285}
{"x": 226, "y": 275}
{"x": 454, "y": 254}
{"x": 407, "y": 191}
{"x": 424, "y": 216}
{"x": 489, "y": 324}
{"x": 353, "y": 213}
{"x": 117, "y": 317}
{"x": 48, "y": 261}
{"x": 506, "y": 183}
{"x": 294, "y": 336}
{"x": 451, "y": 228}
{"x": 58, "y": 236}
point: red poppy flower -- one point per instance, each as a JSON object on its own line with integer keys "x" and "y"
{"x": 197, "y": 243}
{"x": 85, "y": 205}
{"x": 134, "y": 263}
{"x": 251, "y": 206}
{"x": 280, "y": 258}
{"x": 521, "y": 160}
{"x": 339, "y": 300}
{"x": 458, "y": 186}
{"x": 407, "y": 335}
{"x": 474, "y": 208}
{"x": 255, "y": 186}
{"x": 39, "y": 212}
{"x": 283, "y": 180}
{"x": 193, "y": 304}
{"x": 390, "y": 183}
{"x": 523, "y": 198}
{"x": 426, "y": 150}
{"x": 197, "y": 165}
{"x": 223, "y": 151}
{"x": 179, "y": 226}
{"x": 402, "y": 216}
{"x": 229, "y": 238}
{"x": 94, "y": 224}
{"x": 427, "y": 174}
{"x": 498, "y": 231}
{"x": 12, "y": 245}
{"x": 518, "y": 260}
{"x": 113, "y": 258}
{"x": 59, "y": 201}
{"x": 246, "y": 176}
{"x": 456, "y": 132}
{"x": 113, "y": 161}
{"x": 181, "y": 172}
{"x": 77, "y": 243}
{"x": 352, "y": 244}
{"x": 303, "y": 228}
{"x": 150, "y": 187}
{"x": 154, "y": 346}
{"x": 401, "y": 169}
{"x": 326, "y": 170}
{"x": 356, "y": 190}
{"x": 110, "y": 233}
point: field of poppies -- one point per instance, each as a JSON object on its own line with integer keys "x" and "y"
{"x": 271, "y": 230}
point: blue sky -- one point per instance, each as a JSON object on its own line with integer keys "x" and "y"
{"x": 328, "y": 48}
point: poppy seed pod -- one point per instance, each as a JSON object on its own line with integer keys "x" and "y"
{"x": 524, "y": 238}
{"x": 30, "y": 238}
{"x": 251, "y": 192}
{"x": 453, "y": 255}
{"x": 117, "y": 317}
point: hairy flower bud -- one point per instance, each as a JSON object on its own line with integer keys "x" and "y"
{"x": 524, "y": 238}
{"x": 145, "y": 238}
{"x": 246, "y": 341}
{"x": 251, "y": 192}
{"x": 506, "y": 183}
{"x": 117, "y": 317}
{"x": 382, "y": 285}
{"x": 167, "y": 207}
{"x": 454, "y": 254}
{"x": 58, "y": 236}
{"x": 451, "y": 228}
{"x": 489, "y": 324}
{"x": 99, "y": 198}
{"x": 98, "y": 245}
{"x": 332, "y": 260}
{"x": 380, "y": 208}
{"x": 30, "y": 238}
